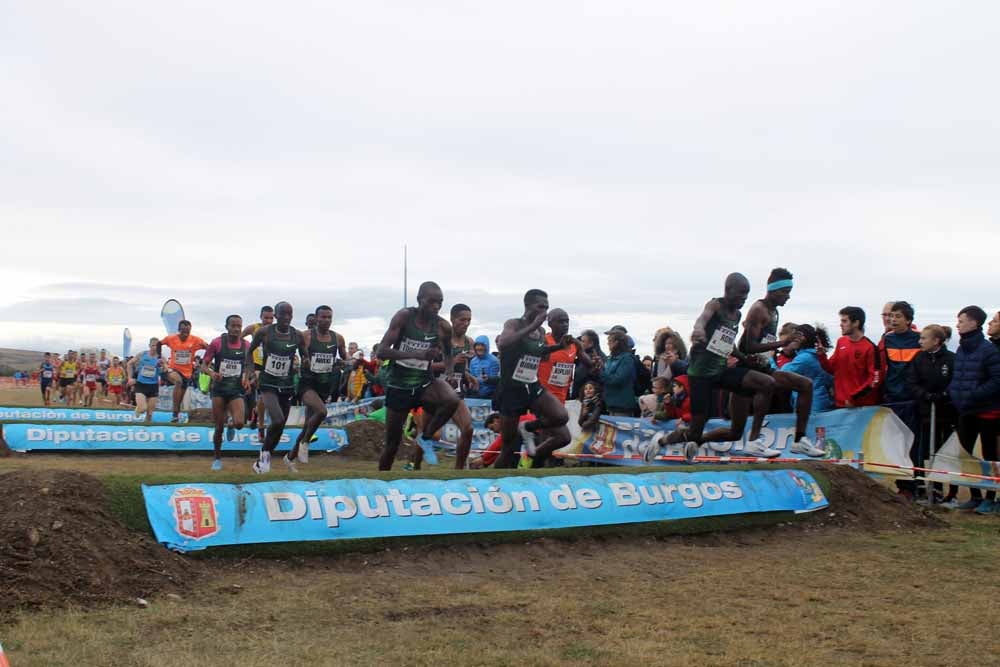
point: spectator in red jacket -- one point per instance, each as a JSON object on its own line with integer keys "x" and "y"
{"x": 854, "y": 363}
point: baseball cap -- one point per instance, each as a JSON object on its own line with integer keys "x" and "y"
{"x": 618, "y": 328}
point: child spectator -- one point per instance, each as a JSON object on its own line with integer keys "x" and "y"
{"x": 929, "y": 375}
{"x": 650, "y": 404}
{"x": 679, "y": 404}
{"x": 591, "y": 407}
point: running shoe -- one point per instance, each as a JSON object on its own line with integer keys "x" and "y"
{"x": 651, "y": 452}
{"x": 217, "y": 465}
{"x": 690, "y": 451}
{"x": 970, "y": 504}
{"x": 230, "y": 433}
{"x": 527, "y": 439}
{"x": 290, "y": 463}
{"x": 427, "y": 445}
{"x": 950, "y": 504}
{"x": 757, "y": 448}
{"x": 303, "y": 456}
{"x": 263, "y": 464}
{"x": 986, "y": 507}
{"x": 408, "y": 467}
{"x": 805, "y": 446}
{"x": 138, "y": 412}
{"x": 174, "y": 419}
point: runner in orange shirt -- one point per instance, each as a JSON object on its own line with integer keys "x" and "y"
{"x": 181, "y": 367}
{"x": 556, "y": 372}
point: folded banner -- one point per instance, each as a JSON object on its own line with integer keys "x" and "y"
{"x": 870, "y": 434}
{"x": 952, "y": 458}
{"x": 338, "y": 414}
{"x": 82, "y": 415}
{"x": 188, "y": 517}
{"x": 27, "y": 437}
{"x": 194, "y": 399}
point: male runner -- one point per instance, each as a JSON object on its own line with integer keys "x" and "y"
{"x": 181, "y": 367}
{"x": 116, "y": 380}
{"x": 103, "y": 363}
{"x": 760, "y": 336}
{"x": 276, "y": 385}
{"x": 46, "y": 372}
{"x": 91, "y": 371}
{"x": 522, "y": 347}
{"x": 223, "y": 362}
{"x": 310, "y": 321}
{"x": 556, "y": 372}
{"x": 256, "y": 407}
{"x": 416, "y": 337}
{"x": 68, "y": 370}
{"x": 714, "y": 341}
{"x": 143, "y": 371}
{"x": 456, "y": 372}
{"x": 317, "y": 379}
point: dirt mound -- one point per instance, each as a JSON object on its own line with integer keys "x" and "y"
{"x": 59, "y": 545}
{"x": 858, "y": 501}
{"x": 201, "y": 415}
{"x": 364, "y": 440}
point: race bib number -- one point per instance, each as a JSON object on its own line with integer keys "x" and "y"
{"x": 456, "y": 380}
{"x": 410, "y": 345}
{"x": 321, "y": 362}
{"x": 116, "y": 380}
{"x": 527, "y": 369}
{"x": 278, "y": 366}
{"x": 90, "y": 377}
{"x": 767, "y": 340}
{"x": 723, "y": 341}
{"x": 148, "y": 372}
{"x": 562, "y": 373}
{"x": 230, "y": 368}
{"x": 770, "y": 338}
{"x": 182, "y": 357}
{"x": 47, "y": 375}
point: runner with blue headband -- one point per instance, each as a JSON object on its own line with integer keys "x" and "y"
{"x": 759, "y": 342}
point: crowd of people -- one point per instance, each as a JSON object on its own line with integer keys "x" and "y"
{"x": 736, "y": 368}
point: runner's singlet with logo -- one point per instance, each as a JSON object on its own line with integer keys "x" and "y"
{"x": 228, "y": 363}
{"x": 413, "y": 373}
{"x": 46, "y": 372}
{"x": 458, "y": 370}
{"x": 68, "y": 370}
{"x": 709, "y": 360}
{"x": 279, "y": 353}
{"x": 149, "y": 369}
{"x": 322, "y": 357}
{"x": 519, "y": 364}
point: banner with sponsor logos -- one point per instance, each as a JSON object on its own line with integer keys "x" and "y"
{"x": 955, "y": 465}
{"x": 82, "y": 415}
{"x": 67, "y": 437}
{"x": 194, "y": 399}
{"x": 861, "y": 434}
{"x": 188, "y": 517}
{"x": 338, "y": 414}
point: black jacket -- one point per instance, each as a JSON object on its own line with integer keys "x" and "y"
{"x": 929, "y": 374}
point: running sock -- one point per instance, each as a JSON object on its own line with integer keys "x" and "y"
{"x": 799, "y": 435}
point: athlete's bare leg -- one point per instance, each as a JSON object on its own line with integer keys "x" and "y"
{"x": 277, "y": 417}
{"x": 315, "y": 414}
{"x": 394, "y": 421}
{"x": 463, "y": 420}
{"x": 177, "y": 380}
{"x": 550, "y": 424}
{"x": 803, "y": 403}
{"x": 221, "y": 410}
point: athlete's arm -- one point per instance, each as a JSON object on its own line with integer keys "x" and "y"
{"x": 206, "y": 361}
{"x": 698, "y": 334}
{"x": 342, "y": 349}
{"x": 753, "y": 329}
{"x": 512, "y": 334}
{"x": 392, "y": 336}
{"x": 303, "y": 350}
{"x": 258, "y": 338}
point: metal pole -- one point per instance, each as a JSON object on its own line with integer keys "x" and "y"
{"x": 930, "y": 454}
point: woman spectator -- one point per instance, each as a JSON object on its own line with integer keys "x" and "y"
{"x": 618, "y": 377}
{"x": 591, "y": 406}
{"x": 592, "y": 347}
{"x": 807, "y": 363}
{"x": 929, "y": 375}
{"x": 669, "y": 355}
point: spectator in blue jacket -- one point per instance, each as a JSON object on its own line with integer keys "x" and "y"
{"x": 484, "y": 367}
{"x": 806, "y": 363}
{"x": 898, "y": 347}
{"x": 618, "y": 377}
{"x": 975, "y": 393}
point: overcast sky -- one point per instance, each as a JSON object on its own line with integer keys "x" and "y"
{"x": 622, "y": 156}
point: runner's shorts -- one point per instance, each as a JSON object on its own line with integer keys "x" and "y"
{"x": 730, "y": 379}
{"x": 147, "y": 389}
{"x": 404, "y": 400}
{"x": 516, "y": 398}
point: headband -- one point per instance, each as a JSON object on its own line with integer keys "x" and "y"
{"x": 779, "y": 284}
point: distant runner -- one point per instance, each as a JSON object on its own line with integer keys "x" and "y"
{"x": 181, "y": 367}
{"x": 103, "y": 363}
{"x": 255, "y": 405}
{"x": 280, "y": 342}
{"x": 522, "y": 348}
{"x": 116, "y": 380}
{"x": 144, "y": 376}
{"x": 68, "y": 370}
{"x": 46, "y": 374}
{"x": 416, "y": 338}
{"x": 223, "y": 362}
{"x": 91, "y": 372}
{"x": 316, "y": 383}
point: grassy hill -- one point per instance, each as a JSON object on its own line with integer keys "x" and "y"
{"x": 20, "y": 360}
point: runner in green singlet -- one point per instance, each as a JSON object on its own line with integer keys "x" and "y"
{"x": 317, "y": 379}
{"x": 760, "y": 337}
{"x": 223, "y": 362}
{"x": 280, "y": 341}
{"x": 714, "y": 342}
{"x": 416, "y": 338}
{"x": 456, "y": 374}
{"x": 522, "y": 348}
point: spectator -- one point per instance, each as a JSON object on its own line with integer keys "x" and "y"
{"x": 787, "y": 353}
{"x": 484, "y": 367}
{"x": 591, "y": 406}
{"x": 592, "y": 347}
{"x": 854, "y": 362}
{"x": 619, "y": 378}
{"x": 975, "y": 392}
{"x": 887, "y": 317}
{"x": 357, "y": 380}
{"x": 993, "y": 330}
{"x": 643, "y": 379}
{"x": 647, "y": 361}
{"x": 650, "y": 404}
{"x": 929, "y": 376}
{"x": 806, "y": 363}
{"x": 678, "y": 406}
{"x": 670, "y": 355}
{"x": 897, "y": 348}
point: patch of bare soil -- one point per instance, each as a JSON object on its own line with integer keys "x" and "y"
{"x": 365, "y": 438}
{"x": 59, "y": 545}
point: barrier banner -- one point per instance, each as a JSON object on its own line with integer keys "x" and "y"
{"x": 338, "y": 414}
{"x": 188, "y": 517}
{"x": 82, "y": 415}
{"x": 953, "y": 458}
{"x": 68, "y": 437}
{"x": 194, "y": 399}
{"x": 869, "y": 434}
{"x": 482, "y": 437}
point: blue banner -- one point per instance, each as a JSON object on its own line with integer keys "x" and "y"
{"x": 67, "y": 437}
{"x": 188, "y": 517}
{"x": 82, "y": 415}
{"x": 860, "y": 434}
{"x": 482, "y": 437}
